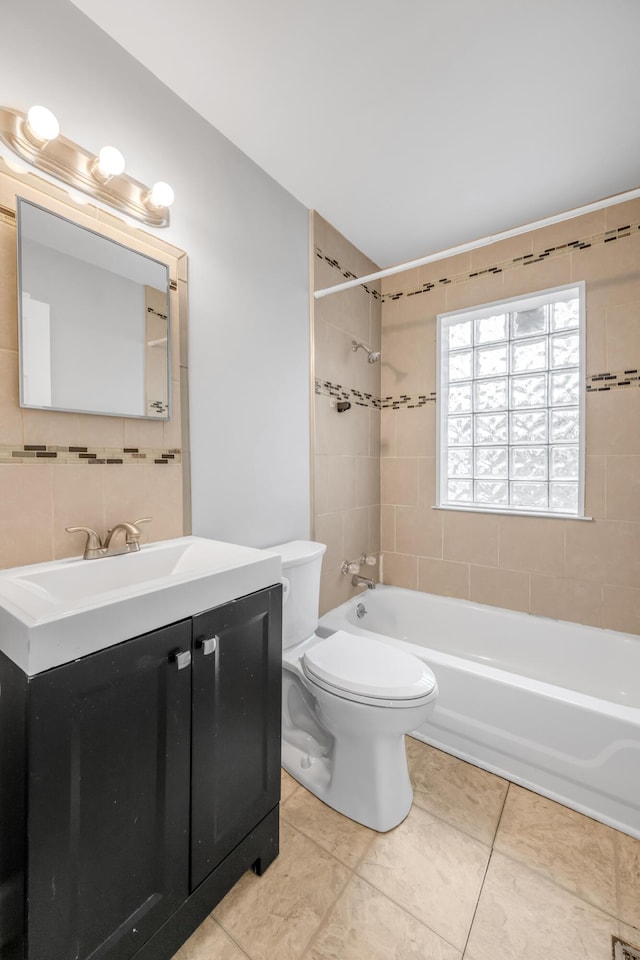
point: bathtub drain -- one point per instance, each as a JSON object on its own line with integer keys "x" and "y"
{"x": 624, "y": 951}
{"x": 361, "y": 611}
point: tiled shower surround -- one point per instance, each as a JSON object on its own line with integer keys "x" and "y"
{"x": 585, "y": 571}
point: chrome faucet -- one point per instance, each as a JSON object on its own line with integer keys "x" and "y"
{"x": 95, "y": 549}
{"x": 358, "y": 581}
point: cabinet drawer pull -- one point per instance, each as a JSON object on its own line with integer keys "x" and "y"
{"x": 182, "y": 658}
{"x": 210, "y": 645}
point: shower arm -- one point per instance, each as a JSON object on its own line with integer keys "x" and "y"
{"x": 372, "y": 355}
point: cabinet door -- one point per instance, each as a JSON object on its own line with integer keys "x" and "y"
{"x": 108, "y": 812}
{"x": 237, "y": 677}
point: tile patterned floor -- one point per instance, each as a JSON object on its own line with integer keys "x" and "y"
{"x": 480, "y": 869}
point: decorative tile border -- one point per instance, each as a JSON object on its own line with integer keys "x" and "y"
{"x": 549, "y": 253}
{"x": 40, "y": 453}
{"x": 338, "y": 392}
{"x": 596, "y": 383}
{"x": 347, "y": 274}
{"x": 7, "y": 216}
{"x": 360, "y": 399}
{"x": 408, "y": 402}
{"x": 600, "y": 382}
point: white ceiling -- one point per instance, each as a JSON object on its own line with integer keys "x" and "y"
{"x": 411, "y": 125}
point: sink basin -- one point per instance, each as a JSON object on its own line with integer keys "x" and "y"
{"x": 52, "y": 613}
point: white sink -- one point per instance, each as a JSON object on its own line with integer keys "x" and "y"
{"x": 52, "y": 613}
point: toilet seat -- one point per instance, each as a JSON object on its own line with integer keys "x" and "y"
{"x": 367, "y": 671}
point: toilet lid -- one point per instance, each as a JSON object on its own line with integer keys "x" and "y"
{"x": 367, "y": 667}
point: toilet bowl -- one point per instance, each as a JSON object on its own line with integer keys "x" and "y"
{"x": 347, "y": 702}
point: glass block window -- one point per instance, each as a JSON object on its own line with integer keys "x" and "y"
{"x": 511, "y": 405}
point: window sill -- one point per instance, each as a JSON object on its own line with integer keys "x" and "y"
{"x": 459, "y": 508}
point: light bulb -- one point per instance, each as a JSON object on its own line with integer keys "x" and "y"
{"x": 110, "y": 163}
{"x": 161, "y": 194}
{"x": 42, "y": 124}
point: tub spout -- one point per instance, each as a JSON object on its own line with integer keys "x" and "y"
{"x": 358, "y": 581}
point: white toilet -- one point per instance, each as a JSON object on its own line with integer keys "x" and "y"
{"x": 347, "y": 702}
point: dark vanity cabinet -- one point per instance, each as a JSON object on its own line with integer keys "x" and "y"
{"x": 149, "y": 784}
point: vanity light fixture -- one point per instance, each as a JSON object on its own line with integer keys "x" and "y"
{"x": 35, "y": 137}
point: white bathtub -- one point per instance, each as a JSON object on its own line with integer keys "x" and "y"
{"x": 551, "y": 705}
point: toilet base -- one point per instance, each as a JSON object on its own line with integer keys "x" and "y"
{"x": 367, "y": 782}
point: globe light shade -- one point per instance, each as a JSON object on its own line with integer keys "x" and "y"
{"x": 110, "y": 162}
{"x": 161, "y": 194}
{"x": 42, "y": 123}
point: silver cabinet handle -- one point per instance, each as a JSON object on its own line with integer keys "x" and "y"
{"x": 182, "y": 658}
{"x": 209, "y": 646}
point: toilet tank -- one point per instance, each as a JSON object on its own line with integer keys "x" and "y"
{"x": 301, "y": 565}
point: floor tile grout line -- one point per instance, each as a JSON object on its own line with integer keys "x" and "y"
{"x": 406, "y": 910}
{"x": 615, "y": 921}
{"x": 330, "y": 909}
{"x": 484, "y": 877}
{"x": 539, "y": 872}
{"x": 232, "y": 938}
{"x": 313, "y": 839}
{"x": 455, "y": 826}
{"x": 531, "y": 869}
{"x": 477, "y": 904}
{"x": 525, "y": 863}
{"x": 616, "y": 869}
{"x": 355, "y": 872}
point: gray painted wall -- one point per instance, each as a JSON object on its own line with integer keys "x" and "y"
{"x": 247, "y": 242}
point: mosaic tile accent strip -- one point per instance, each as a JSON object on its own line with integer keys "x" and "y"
{"x": 608, "y": 236}
{"x": 39, "y": 452}
{"x": 596, "y": 383}
{"x": 617, "y": 233}
{"x": 338, "y": 392}
{"x": 347, "y": 274}
{"x": 7, "y": 216}
{"x": 600, "y": 382}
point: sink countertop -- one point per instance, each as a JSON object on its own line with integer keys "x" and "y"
{"x": 56, "y": 612}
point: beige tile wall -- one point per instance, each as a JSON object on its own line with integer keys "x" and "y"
{"x": 588, "y": 572}
{"x": 346, "y": 445}
{"x": 38, "y": 499}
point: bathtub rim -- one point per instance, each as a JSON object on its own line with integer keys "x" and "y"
{"x": 621, "y": 711}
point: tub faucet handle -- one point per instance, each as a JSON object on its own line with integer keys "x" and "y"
{"x": 369, "y": 558}
{"x": 350, "y": 566}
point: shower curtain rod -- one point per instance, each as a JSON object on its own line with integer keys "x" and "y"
{"x": 483, "y": 242}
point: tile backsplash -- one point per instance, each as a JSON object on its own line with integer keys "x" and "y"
{"x": 137, "y": 467}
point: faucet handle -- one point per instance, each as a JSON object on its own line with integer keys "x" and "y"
{"x": 136, "y": 523}
{"x": 93, "y": 545}
{"x": 93, "y": 540}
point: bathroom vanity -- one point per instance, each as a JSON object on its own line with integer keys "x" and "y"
{"x": 139, "y": 780}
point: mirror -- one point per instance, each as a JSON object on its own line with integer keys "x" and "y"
{"x": 94, "y": 321}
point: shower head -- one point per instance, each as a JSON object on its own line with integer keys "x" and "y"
{"x": 372, "y": 355}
